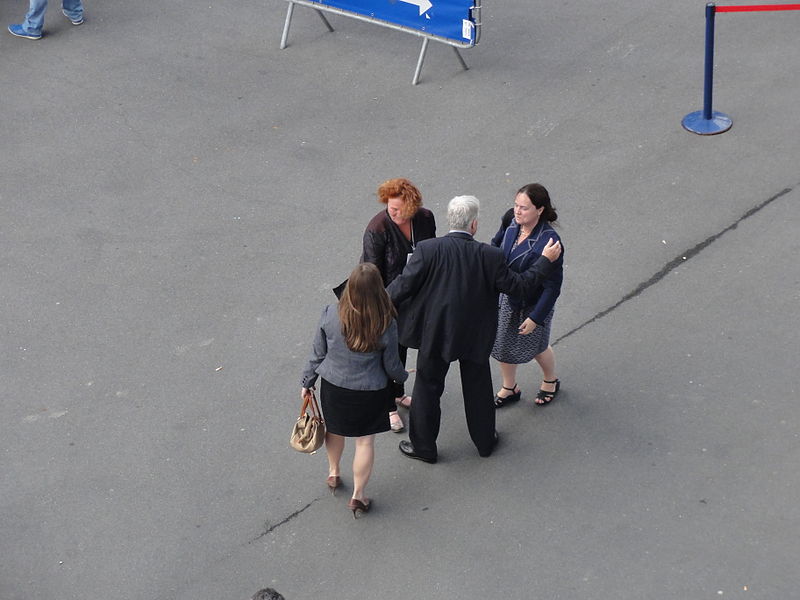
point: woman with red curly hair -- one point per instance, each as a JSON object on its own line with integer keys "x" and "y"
{"x": 389, "y": 240}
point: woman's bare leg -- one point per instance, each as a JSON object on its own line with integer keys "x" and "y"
{"x": 547, "y": 362}
{"x": 509, "y": 373}
{"x": 334, "y": 446}
{"x": 362, "y": 464}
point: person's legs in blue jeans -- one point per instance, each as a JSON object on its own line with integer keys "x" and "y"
{"x": 73, "y": 9}
{"x": 34, "y": 20}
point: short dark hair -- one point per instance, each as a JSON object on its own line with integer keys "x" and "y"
{"x": 267, "y": 594}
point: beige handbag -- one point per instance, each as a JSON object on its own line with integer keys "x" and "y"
{"x": 308, "y": 432}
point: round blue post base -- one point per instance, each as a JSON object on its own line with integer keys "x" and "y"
{"x": 718, "y": 123}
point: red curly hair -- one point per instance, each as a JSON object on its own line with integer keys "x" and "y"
{"x": 403, "y": 189}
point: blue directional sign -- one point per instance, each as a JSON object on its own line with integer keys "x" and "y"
{"x": 449, "y": 19}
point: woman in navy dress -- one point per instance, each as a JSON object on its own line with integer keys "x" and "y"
{"x": 523, "y": 324}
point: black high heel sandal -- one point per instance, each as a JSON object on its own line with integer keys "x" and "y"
{"x": 545, "y": 397}
{"x": 500, "y": 402}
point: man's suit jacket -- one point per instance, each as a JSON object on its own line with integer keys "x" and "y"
{"x": 451, "y": 285}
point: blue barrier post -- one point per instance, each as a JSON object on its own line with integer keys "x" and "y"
{"x": 707, "y": 121}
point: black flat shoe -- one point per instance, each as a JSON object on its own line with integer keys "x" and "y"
{"x": 545, "y": 397}
{"x": 407, "y": 449}
{"x": 495, "y": 441}
{"x": 500, "y": 402}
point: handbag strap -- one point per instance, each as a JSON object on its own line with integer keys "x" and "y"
{"x": 315, "y": 406}
{"x": 310, "y": 401}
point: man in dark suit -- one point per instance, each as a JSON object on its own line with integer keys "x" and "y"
{"x": 447, "y": 296}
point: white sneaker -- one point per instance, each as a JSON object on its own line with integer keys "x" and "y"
{"x": 78, "y": 22}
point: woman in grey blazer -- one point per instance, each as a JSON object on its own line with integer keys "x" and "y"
{"x": 355, "y": 353}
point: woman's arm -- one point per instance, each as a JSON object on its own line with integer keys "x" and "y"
{"x": 374, "y": 248}
{"x": 550, "y": 290}
{"x": 407, "y": 284}
{"x": 546, "y": 301}
{"x": 391, "y": 358}
{"x": 319, "y": 349}
{"x": 505, "y": 221}
{"x": 426, "y": 225}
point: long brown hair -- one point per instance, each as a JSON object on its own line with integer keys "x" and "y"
{"x": 365, "y": 309}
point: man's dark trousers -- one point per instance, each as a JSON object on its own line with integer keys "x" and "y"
{"x": 426, "y": 413}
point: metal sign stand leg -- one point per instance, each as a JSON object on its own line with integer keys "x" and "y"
{"x": 288, "y": 22}
{"x": 426, "y": 38}
{"x": 422, "y": 52}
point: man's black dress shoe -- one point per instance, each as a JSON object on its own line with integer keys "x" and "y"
{"x": 407, "y": 449}
{"x": 495, "y": 441}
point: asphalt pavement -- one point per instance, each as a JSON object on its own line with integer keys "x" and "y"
{"x": 179, "y": 196}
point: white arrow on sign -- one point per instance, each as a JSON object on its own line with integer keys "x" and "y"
{"x": 424, "y": 5}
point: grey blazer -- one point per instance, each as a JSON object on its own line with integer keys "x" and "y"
{"x": 331, "y": 359}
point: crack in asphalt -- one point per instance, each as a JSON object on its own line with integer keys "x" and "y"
{"x": 673, "y": 264}
{"x": 269, "y": 530}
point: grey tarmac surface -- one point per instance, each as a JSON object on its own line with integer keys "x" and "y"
{"x": 179, "y": 196}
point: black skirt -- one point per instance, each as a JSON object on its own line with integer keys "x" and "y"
{"x": 353, "y": 413}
